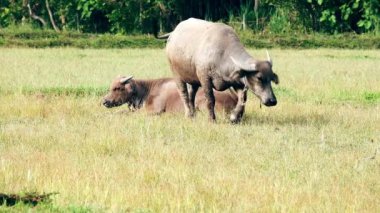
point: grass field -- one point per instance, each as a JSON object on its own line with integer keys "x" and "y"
{"x": 318, "y": 150}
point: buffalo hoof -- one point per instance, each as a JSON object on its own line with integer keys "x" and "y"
{"x": 212, "y": 120}
{"x": 235, "y": 119}
{"x": 190, "y": 113}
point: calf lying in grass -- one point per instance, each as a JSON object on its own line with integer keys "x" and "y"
{"x": 160, "y": 95}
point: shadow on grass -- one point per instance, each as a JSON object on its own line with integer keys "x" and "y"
{"x": 28, "y": 198}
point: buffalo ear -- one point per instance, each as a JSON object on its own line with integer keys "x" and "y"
{"x": 275, "y": 78}
{"x": 125, "y": 80}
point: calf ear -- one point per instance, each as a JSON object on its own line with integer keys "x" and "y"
{"x": 125, "y": 80}
{"x": 275, "y": 78}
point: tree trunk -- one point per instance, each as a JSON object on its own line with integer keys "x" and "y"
{"x": 34, "y": 16}
{"x": 161, "y": 25}
{"x": 141, "y": 16}
{"x": 77, "y": 21}
{"x": 51, "y": 17}
{"x": 256, "y": 14}
{"x": 63, "y": 21}
{"x": 244, "y": 23}
{"x": 243, "y": 12}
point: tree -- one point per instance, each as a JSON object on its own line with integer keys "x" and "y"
{"x": 51, "y": 17}
{"x": 33, "y": 15}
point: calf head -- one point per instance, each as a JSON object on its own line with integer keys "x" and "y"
{"x": 120, "y": 92}
{"x": 258, "y": 77}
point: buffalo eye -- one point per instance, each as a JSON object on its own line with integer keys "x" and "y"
{"x": 116, "y": 88}
{"x": 260, "y": 78}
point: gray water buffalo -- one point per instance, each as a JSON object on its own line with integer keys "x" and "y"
{"x": 159, "y": 95}
{"x": 210, "y": 55}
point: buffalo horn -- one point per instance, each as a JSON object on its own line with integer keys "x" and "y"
{"x": 269, "y": 59}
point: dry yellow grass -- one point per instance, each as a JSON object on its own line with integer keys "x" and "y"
{"x": 312, "y": 152}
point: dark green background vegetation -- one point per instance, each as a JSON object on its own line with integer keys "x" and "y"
{"x": 260, "y": 23}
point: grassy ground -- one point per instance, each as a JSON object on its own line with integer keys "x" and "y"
{"x": 315, "y": 151}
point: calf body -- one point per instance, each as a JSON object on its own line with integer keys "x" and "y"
{"x": 159, "y": 95}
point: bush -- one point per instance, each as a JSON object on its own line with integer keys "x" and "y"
{"x": 48, "y": 38}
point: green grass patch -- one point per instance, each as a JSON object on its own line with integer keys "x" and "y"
{"x": 26, "y": 37}
{"x": 372, "y": 97}
{"x": 309, "y": 41}
{"x": 47, "y": 38}
{"x": 63, "y": 91}
{"x": 48, "y": 208}
{"x": 365, "y": 97}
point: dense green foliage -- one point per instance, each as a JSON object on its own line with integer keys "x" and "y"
{"x": 152, "y": 16}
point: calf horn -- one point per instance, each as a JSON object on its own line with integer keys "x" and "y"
{"x": 244, "y": 66}
{"x": 125, "y": 79}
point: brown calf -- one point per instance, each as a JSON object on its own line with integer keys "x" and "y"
{"x": 160, "y": 95}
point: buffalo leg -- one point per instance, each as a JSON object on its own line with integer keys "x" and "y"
{"x": 182, "y": 87}
{"x": 192, "y": 92}
{"x": 209, "y": 94}
{"x": 238, "y": 112}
